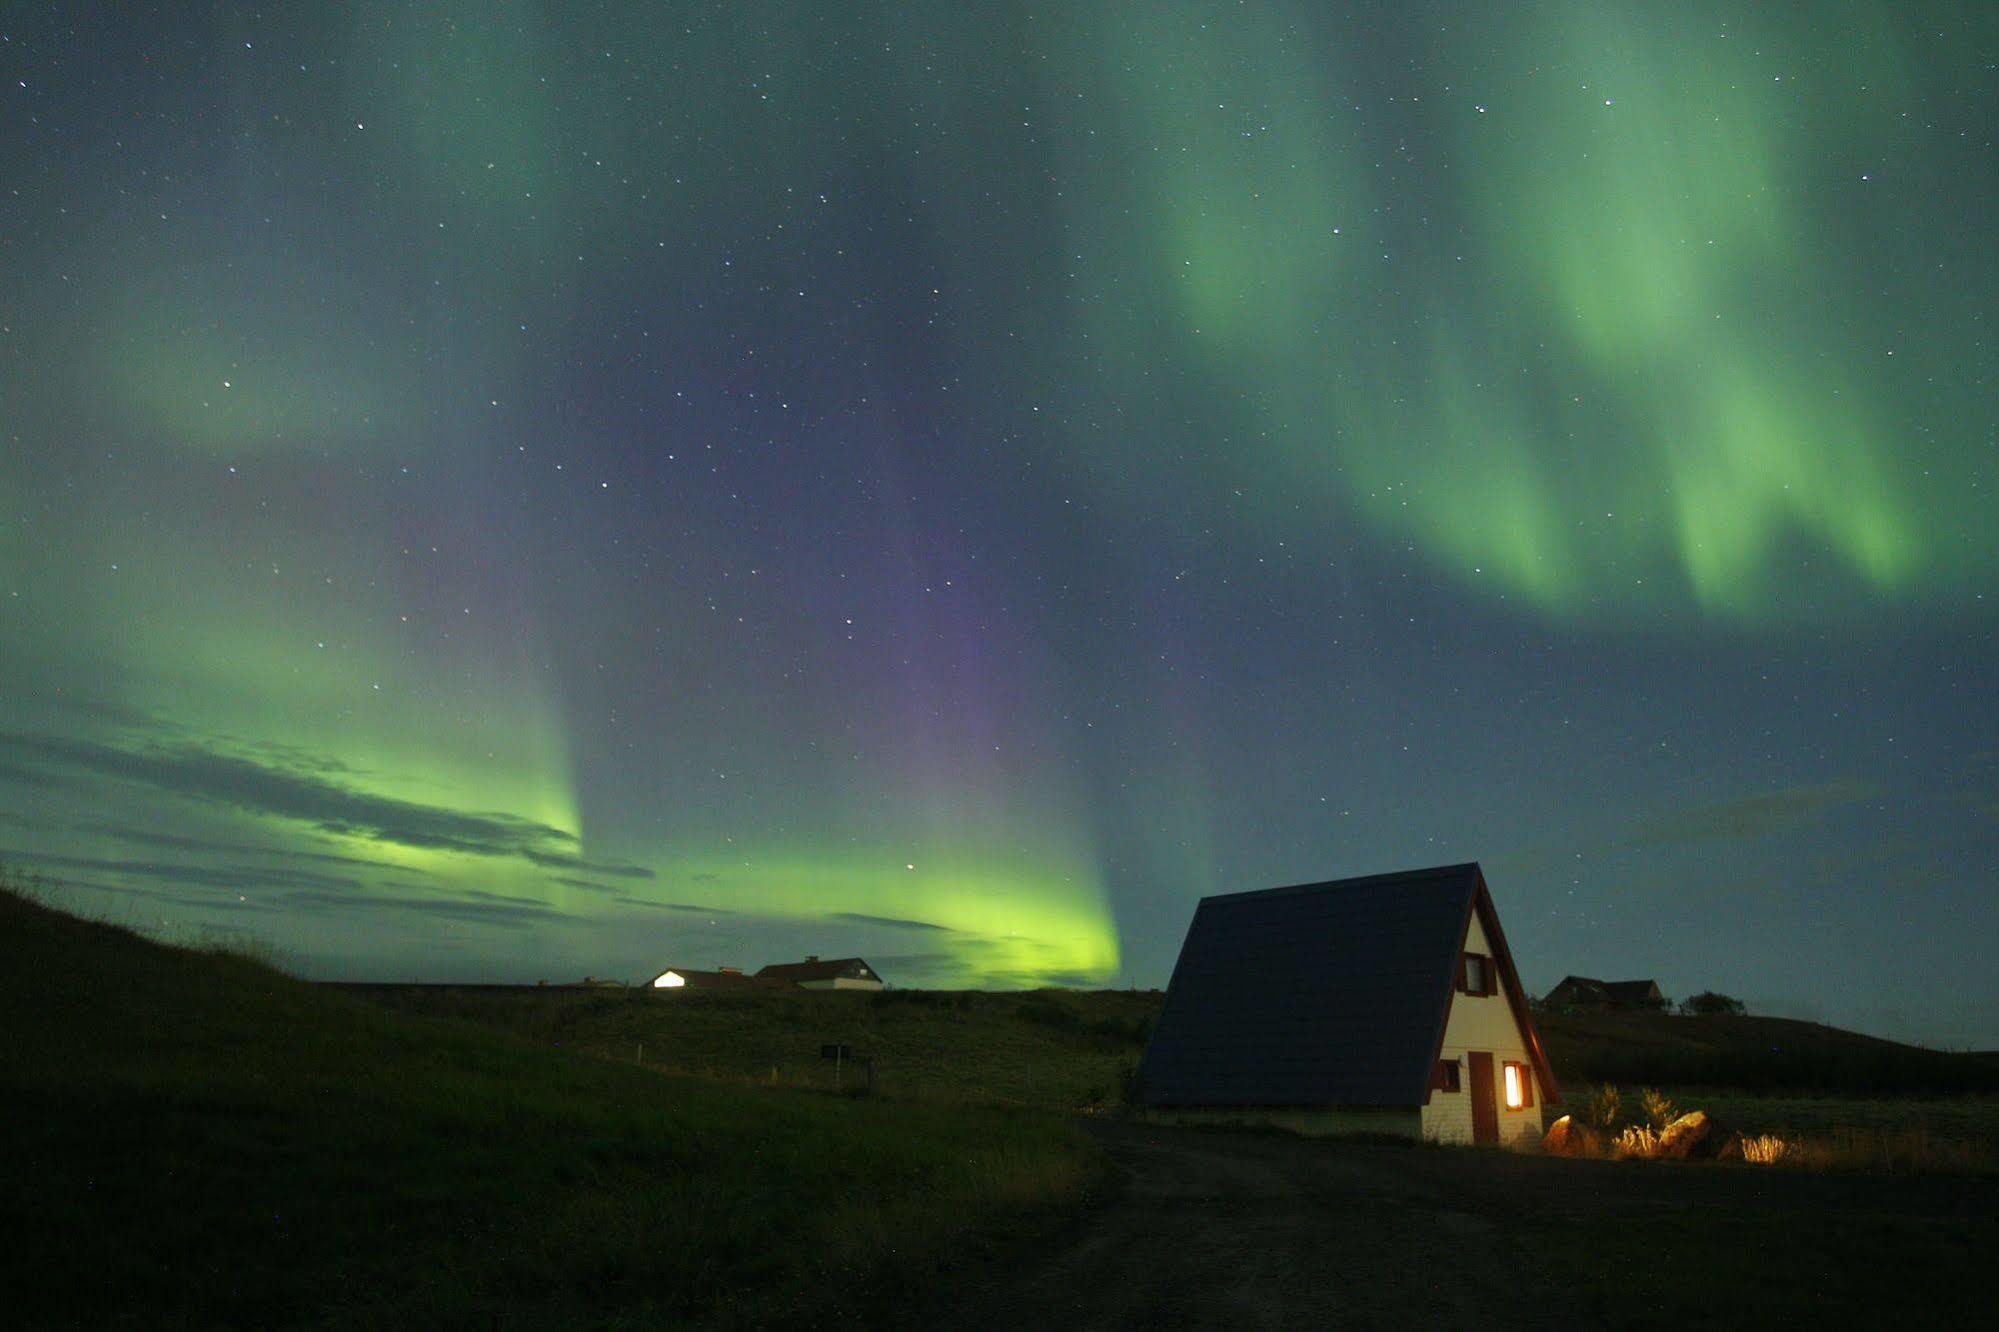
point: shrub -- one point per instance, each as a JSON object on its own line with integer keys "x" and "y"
{"x": 1765, "y": 1149}
{"x": 1658, "y": 1108}
{"x": 1636, "y": 1142}
{"x": 1131, "y": 1085}
{"x": 1601, "y": 1108}
{"x": 1709, "y": 1003}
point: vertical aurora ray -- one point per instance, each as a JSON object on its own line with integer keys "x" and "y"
{"x": 1551, "y": 311}
{"x": 537, "y": 480}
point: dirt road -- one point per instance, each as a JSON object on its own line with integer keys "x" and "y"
{"x": 1252, "y": 1231}
{"x": 1249, "y": 1231}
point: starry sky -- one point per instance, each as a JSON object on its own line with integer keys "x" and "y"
{"x": 503, "y": 491}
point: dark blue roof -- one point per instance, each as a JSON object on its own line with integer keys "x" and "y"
{"x": 1322, "y": 994}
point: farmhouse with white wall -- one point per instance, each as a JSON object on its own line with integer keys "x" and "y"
{"x": 1384, "y": 1004}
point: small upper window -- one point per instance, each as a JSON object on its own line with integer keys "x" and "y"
{"x": 1445, "y": 1078}
{"x": 1477, "y": 974}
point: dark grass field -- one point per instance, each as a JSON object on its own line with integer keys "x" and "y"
{"x": 1073, "y": 1051}
{"x": 194, "y": 1140}
{"x": 1049, "y": 1049}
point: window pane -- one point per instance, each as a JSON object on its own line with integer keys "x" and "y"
{"x": 1513, "y": 1098}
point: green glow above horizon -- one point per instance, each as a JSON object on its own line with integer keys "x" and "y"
{"x": 1000, "y": 919}
{"x": 751, "y": 458}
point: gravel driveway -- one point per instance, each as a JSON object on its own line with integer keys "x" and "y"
{"x": 1251, "y": 1231}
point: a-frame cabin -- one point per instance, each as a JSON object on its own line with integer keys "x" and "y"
{"x": 1385, "y": 1004}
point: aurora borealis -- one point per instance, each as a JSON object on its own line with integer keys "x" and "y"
{"x": 511, "y": 491}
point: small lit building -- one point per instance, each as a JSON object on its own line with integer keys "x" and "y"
{"x": 722, "y": 978}
{"x": 840, "y": 973}
{"x": 1386, "y": 1004}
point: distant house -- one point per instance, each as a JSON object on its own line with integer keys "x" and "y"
{"x": 722, "y": 978}
{"x": 1382, "y": 1004}
{"x": 593, "y": 983}
{"x": 841, "y": 973}
{"x": 1587, "y": 992}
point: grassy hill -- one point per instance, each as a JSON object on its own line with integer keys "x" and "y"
{"x": 194, "y": 1139}
{"x": 1055, "y": 1049}
{"x": 1754, "y": 1054}
{"x": 1072, "y": 1050}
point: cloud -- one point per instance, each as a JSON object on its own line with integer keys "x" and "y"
{"x": 1750, "y": 816}
{"x": 298, "y": 892}
{"x": 620, "y": 896}
{"x": 145, "y": 837}
{"x": 231, "y": 877}
{"x": 306, "y": 795}
{"x": 587, "y": 885}
{"x": 115, "y": 714}
{"x": 158, "y": 895}
{"x": 692, "y": 908}
{"x": 474, "y": 908}
{"x": 552, "y": 860}
{"x": 19, "y": 776}
{"x": 891, "y": 922}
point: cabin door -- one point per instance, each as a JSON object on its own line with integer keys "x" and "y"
{"x": 1484, "y": 1111}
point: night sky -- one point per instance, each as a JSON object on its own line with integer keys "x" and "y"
{"x": 506, "y": 491}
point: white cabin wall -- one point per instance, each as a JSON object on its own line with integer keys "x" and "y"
{"x": 1481, "y": 1022}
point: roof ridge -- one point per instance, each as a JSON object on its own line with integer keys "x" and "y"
{"x": 1358, "y": 881}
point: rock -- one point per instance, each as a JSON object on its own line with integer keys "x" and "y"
{"x": 1690, "y": 1137}
{"x": 1730, "y": 1149}
{"x": 1566, "y": 1137}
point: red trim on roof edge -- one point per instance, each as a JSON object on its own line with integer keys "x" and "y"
{"x": 1516, "y": 998}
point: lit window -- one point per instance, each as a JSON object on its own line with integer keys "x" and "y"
{"x": 1519, "y": 1086}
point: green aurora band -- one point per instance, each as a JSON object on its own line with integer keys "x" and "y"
{"x": 1647, "y": 200}
{"x": 1555, "y": 317}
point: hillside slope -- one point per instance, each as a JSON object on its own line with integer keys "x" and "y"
{"x": 1052, "y": 1049}
{"x": 194, "y": 1139}
{"x": 1758, "y": 1054}
{"x": 1072, "y": 1050}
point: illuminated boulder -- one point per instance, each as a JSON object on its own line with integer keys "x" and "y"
{"x": 1567, "y": 1137}
{"x": 1691, "y": 1136}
